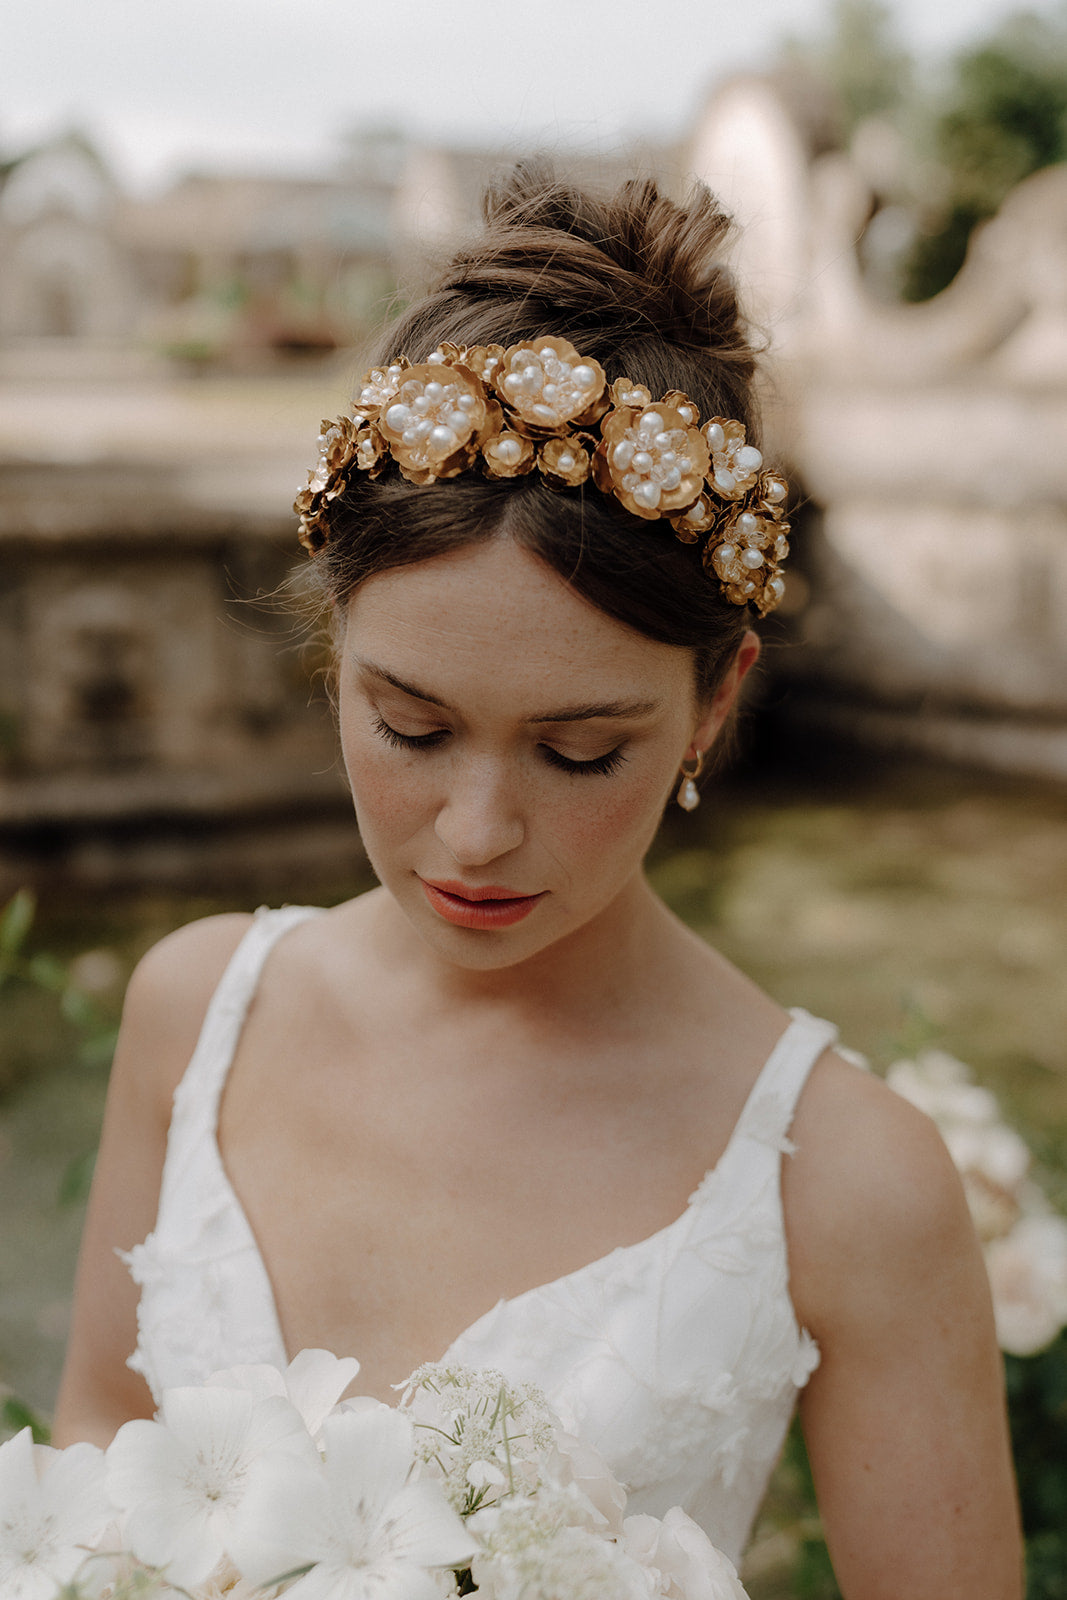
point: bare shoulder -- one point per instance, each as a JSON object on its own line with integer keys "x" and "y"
{"x": 872, "y": 1199}
{"x": 169, "y": 992}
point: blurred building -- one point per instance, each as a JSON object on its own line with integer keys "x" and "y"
{"x": 164, "y": 364}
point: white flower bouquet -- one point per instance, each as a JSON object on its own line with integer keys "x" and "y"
{"x": 1024, "y": 1241}
{"x": 263, "y": 1483}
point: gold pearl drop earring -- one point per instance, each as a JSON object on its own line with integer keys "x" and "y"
{"x": 688, "y": 796}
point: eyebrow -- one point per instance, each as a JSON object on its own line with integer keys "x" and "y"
{"x": 586, "y": 712}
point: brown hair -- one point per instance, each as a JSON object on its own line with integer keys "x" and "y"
{"x": 636, "y": 282}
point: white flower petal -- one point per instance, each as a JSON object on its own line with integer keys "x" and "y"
{"x": 258, "y": 1379}
{"x": 316, "y": 1380}
{"x": 424, "y": 1530}
{"x": 285, "y": 1520}
{"x": 369, "y": 1456}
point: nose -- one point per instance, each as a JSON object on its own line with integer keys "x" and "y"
{"x": 480, "y": 817}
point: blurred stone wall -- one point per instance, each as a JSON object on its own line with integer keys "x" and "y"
{"x": 930, "y": 442}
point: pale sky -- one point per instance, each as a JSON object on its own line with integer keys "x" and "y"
{"x": 163, "y": 85}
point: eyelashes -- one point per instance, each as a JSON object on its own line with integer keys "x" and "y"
{"x": 600, "y": 766}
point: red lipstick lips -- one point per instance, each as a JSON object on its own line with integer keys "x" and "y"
{"x": 488, "y": 907}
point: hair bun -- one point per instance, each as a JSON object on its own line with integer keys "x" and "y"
{"x": 635, "y": 264}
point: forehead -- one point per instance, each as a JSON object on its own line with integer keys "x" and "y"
{"x": 492, "y": 616}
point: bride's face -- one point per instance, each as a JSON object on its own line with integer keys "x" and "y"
{"x": 501, "y": 734}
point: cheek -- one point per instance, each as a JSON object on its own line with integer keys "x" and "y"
{"x": 616, "y": 817}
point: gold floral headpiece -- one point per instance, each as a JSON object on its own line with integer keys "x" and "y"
{"x": 541, "y": 405}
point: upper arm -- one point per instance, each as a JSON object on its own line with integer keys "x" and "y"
{"x": 905, "y": 1419}
{"x": 164, "y": 1008}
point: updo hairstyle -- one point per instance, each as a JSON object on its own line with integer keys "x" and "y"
{"x": 635, "y": 282}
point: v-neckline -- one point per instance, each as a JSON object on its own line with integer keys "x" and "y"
{"x": 781, "y": 1047}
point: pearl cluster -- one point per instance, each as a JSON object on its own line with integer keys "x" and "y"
{"x": 547, "y": 389}
{"x": 736, "y": 464}
{"x": 741, "y": 561}
{"x": 652, "y": 459}
{"x": 431, "y": 419}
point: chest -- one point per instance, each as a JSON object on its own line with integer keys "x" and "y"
{"x": 397, "y": 1192}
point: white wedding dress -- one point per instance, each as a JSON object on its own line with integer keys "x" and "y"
{"x": 679, "y": 1358}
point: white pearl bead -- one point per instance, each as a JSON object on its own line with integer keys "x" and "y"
{"x": 434, "y": 390}
{"x": 671, "y": 479}
{"x": 749, "y": 458}
{"x": 622, "y": 454}
{"x": 509, "y": 451}
{"x": 548, "y": 416}
{"x": 642, "y": 461}
{"x": 752, "y": 559}
{"x": 443, "y": 438}
{"x": 652, "y": 421}
{"x": 662, "y": 440}
{"x": 647, "y": 494}
{"x": 715, "y": 436}
{"x": 777, "y": 588}
{"x": 566, "y": 461}
{"x": 397, "y": 418}
{"x": 410, "y": 436}
{"x": 583, "y": 376}
{"x": 466, "y": 402}
{"x": 725, "y": 480}
{"x": 421, "y": 405}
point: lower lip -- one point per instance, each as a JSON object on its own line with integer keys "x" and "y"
{"x": 478, "y": 913}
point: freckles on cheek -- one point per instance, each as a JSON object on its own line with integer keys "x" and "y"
{"x": 615, "y": 819}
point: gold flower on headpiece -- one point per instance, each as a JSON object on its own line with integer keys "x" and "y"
{"x": 564, "y": 463}
{"x": 342, "y": 443}
{"x": 735, "y": 464}
{"x": 540, "y": 405}
{"x": 746, "y": 559}
{"x": 508, "y": 455}
{"x": 436, "y": 421}
{"x": 650, "y": 460}
{"x": 549, "y": 387}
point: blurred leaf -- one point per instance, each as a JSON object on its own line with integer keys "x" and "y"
{"x": 16, "y": 919}
{"x": 47, "y": 972}
{"x": 76, "y": 1007}
{"x": 77, "y": 1179}
{"x": 98, "y": 1050}
{"x": 15, "y": 1415}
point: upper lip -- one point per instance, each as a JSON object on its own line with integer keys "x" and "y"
{"x": 468, "y": 891}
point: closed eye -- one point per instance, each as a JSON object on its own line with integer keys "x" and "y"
{"x": 599, "y": 765}
{"x": 408, "y": 741}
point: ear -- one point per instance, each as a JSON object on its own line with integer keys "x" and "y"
{"x": 715, "y": 712}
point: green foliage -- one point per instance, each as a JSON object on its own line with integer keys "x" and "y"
{"x": 1037, "y": 1405}
{"x": 861, "y": 58}
{"x": 96, "y": 1027}
{"x": 14, "y": 1416}
{"x": 1004, "y": 117}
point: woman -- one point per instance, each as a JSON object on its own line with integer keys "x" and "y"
{"x": 506, "y": 1106}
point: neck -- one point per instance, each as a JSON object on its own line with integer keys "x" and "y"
{"x": 606, "y": 967}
